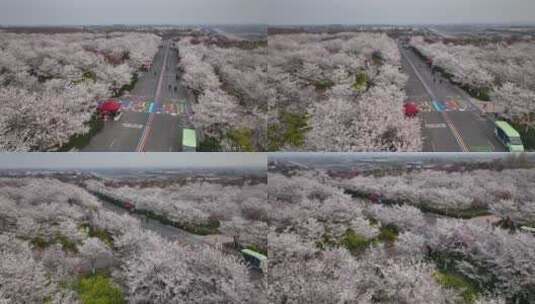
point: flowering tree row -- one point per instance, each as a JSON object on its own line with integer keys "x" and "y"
{"x": 235, "y": 210}
{"x": 50, "y": 83}
{"x": 53, "y": 233}
{"x": 231, "y": 89}
{"x": 327, "y": 247}
{"x": 507, "y": 193}
{"x": 338, "y": 92}
{"x": 507, "y": 71}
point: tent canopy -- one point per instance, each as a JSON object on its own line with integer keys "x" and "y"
{"x": 109, "y": 106}
{"x": 411, "y": 109}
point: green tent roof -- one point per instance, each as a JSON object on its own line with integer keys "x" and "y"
{"x": 189, "y": 138}
{"x": 509, "y": 131}
{"x": 255, "y": 254}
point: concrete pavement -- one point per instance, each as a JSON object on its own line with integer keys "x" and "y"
{"x": 148, "y": 129}
{"x": 450, "y": 122}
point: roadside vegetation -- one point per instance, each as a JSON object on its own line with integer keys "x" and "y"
{"x": 200, "y": 207}
{"x": 229, "y": 82}
{"x": 502, "y": 72}
{"x": 60, "y": 244}
{"x": 401, "y": 239}
{"x": 338, "y": 92}
{"x": 50, "y": 84}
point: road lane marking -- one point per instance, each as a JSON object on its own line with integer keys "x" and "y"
{"x": 435, "y": 125}
{"x": 133, "y": 126}
{"x": 146, "y": 131}
{"x": 420, "y": 77}
{"x": 453, "y": 129}
{"x": 455, "y": 132}
{"x": 144, "y": 135}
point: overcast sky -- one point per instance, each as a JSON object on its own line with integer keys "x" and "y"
{"x": 56, "y": 12}
{"x": 129, "y": 160}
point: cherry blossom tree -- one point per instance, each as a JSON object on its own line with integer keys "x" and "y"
{"x": 350, "y": 87}
{"x": 22, "y": 278}
{"x": 95, "y": 251}
{"x": 506, "y": 70}
{"x": 164, "y": 272}
{"x": 228, "y": 83}
{"x": 51, "y": 83}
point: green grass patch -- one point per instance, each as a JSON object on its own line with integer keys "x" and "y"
{"x": 87, "y": 76}
{"x": 357, "y": 243}
{"x": 361, "y": 82}
{"x": 242, "y": 138}
{"x": 354, "y": 242}
{"x": 79, "y": 141}
{"x": 209, "y": 144}
{"x": 99, "y": 289}
{"x": 468, "y": 291}
{"x": 388, "y": 233}
{"x": 67, "y": 244}
{"x": 101, "y": 234}
{"x": 290, "y": 131}
{"x": 323, "y": 85}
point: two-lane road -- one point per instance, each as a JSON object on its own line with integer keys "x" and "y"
{"x": 150, "y": 129}
{"x": 451, "y": 123}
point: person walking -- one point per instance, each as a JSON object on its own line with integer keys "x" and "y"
{"x": 236, "y": 240}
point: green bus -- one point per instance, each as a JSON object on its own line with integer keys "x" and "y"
{"x": 189, "y": 140}
{"x": 255, "y": 259}
{"x": 508, "y": 136}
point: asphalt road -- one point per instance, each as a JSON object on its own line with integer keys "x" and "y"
{"x": 461, "y": 127}
{"x": 143, "y": 131}
{"x": 180, "y": 236}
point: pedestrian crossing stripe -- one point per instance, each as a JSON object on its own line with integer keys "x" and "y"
{"x": 448, "y": 105}
{"x": 435, "y": 126}
{"x": 439, "y": 106}
{"x": 148, "y": 106}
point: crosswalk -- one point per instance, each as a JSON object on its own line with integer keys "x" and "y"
{"x": 447, "y": 105}
{"x": 149, "y": 106}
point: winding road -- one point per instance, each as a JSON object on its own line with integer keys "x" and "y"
{"x": 183, "y": 237}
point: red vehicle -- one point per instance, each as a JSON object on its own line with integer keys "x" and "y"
{"x": 411, "y": 109}
{"x": 376, "y": 198}
{"x": 129, "y": 206}
{"x": 110, "y": 109}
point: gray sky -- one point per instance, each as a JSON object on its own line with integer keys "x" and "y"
{"x": 401, "y": 11}
{"x": 67, "y": 12}
{"x": 54, "y": 12}
{"x": 128, "y": 160}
